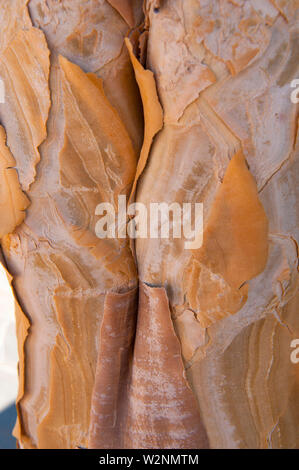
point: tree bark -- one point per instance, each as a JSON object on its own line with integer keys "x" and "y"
{"x": 143, "y": 343}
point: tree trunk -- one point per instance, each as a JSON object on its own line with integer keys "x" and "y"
{"x": 146, "y": 343}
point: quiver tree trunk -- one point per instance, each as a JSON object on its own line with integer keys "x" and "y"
{"x": 143, "y": 343}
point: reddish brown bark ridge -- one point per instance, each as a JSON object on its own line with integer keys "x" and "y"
{"x": 141, "y": 397}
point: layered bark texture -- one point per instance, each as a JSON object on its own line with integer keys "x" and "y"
{"x": 143, "y": 343}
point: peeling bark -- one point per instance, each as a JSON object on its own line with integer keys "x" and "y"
{"x": 144, "y": 343}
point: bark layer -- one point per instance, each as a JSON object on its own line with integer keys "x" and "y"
{"x": 148, "y": 344}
